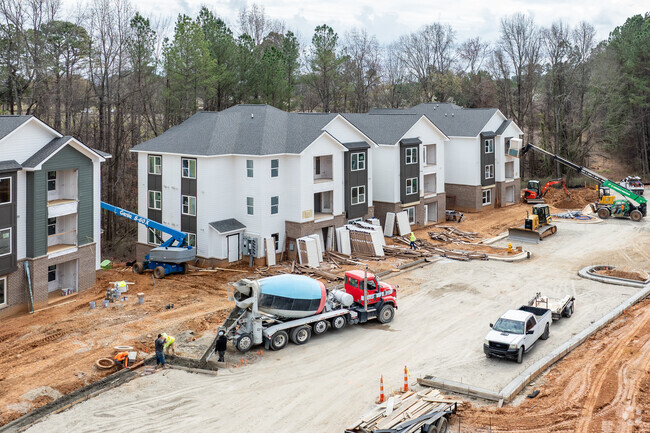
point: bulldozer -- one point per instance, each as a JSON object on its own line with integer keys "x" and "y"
{"x": 536, "y": 226}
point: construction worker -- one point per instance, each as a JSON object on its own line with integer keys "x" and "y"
{"x": 220, "y": 346}
{"x": 160, "y": 356}
{"x": 170, "y": 344}
{"x": 413, "y": 241}
{"x": 121, "y": 359}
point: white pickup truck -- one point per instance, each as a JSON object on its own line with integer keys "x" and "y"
{"x": 517, "y": 331}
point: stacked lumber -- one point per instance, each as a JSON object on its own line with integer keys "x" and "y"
{"x": 461, "y": 255}
{"x": 340, "y": 259}
{"x": 406, "y": 253}
{"x": 452, "y": 234}
{"x": 399, "y": 409}
{"x": 297, "y": 268}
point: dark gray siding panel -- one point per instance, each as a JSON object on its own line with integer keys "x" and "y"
{"x": 155, "y": 182}
{"x": 486, "y": 159}
{"x": 8, "y": 220}
{"x": 408, "y": 171}
{"x": 155, "y": 215}
{"x": 36, "y": 214}
{"x": 355, "y": 178}
{"x": 188, "y": 186}
{"x": 69, "y": 158}
{"x": 188, "y": 223}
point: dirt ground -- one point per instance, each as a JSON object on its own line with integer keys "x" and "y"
{"x": 630, "y": 274}
{"x": 602, "y": 386}
{"x": 443, "y": 316}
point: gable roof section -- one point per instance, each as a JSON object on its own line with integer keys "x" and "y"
{"x": 455, "y": 121}
{"x": 383, "y": 128}
{"x": 9, "y": 165}
{"x": 227, "y": 225}
{"x": 503, "y": 126}
{"x": 46, "y": 151}
{"x": 356, "y": 145}
{"x": 9, "y": 123}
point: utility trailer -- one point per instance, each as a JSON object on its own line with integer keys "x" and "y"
{"x": 560, "y": 307}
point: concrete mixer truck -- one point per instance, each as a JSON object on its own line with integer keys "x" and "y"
{"x": 275, "y": 310}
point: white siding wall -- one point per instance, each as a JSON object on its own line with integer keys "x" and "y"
{"x": 25, "y": 141}
{"x": 171, "y": 191}
{"x": 97, "y": 231}
{"x": 142, "y": 195}
{"x": 385, "y": 161}
{"x": 429, "y": 135}
{"x": 462, "y": 161}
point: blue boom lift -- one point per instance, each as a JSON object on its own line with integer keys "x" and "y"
{"x": 168, "y": 258}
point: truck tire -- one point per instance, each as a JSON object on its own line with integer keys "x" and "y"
{"x": 184, "y": 271}
{"x": 300, "y": 335}
{"x": 159, "y": 272}
{"x": 386, "y": 314}
{"x": 138, "y": 268}
{"x": 442, "y": 426}
{"x": 339, "y": 322}
{"x": 568, "y": 311}
{"x": 520, "y": 355}
{"x": 279, "y": 340}
{"x": 546, "y": 333}
{"x": 603, "y": 213}
{"x": 319, "y": 327}
{"x": 244, "y": 343}
{"x": 636, "y": 215}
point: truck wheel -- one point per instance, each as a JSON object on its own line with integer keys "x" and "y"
{"x": 636, "y": 215}
{"x": 300, "y": 335}
{"x": 338, "y": 322}
{"x": 159, "y": 272}
{"x": 244, "y": 343}
{"x": 568, "y": 311}
{"x": 386, "y": 313}
{"x": 319, "y": 327}
{"x": 279, "y": 340}
{"x": 546, "y": 333}
{"x": 520, "y": 355}
{"x": 138, "y": 268}
{"x": 603, "y": 213}
{"x": 184, "y": 271}
{"x": 443, "y": 425}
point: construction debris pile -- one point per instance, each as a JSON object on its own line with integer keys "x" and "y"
{"x": 409, "y": 406}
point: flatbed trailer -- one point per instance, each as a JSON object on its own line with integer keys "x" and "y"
{"x": 560, "y": 307}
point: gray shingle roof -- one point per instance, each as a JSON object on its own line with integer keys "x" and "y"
{"x": 242, "y": 129}
{"x": 503, "y": 126}
{"x": 410, "y": 141}
{"x": 225, "y": 226}
{"x": 44, "y": 152}
{"x": 8, "y": 123}
{"x": 383, "y": 128}
{"x": 355, "y": 145}
{"x": 9, "y": 165}
{"x": 101, "y": 153}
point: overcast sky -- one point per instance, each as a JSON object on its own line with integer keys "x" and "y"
{"x": 388, "y": 19}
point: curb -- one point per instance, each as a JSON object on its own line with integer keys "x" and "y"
{"x": 584, "y": 273}
{"x": 524, "y": 255}
{"x": 460, "y": 388}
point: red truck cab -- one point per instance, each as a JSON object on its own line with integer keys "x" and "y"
{"x": 378, "y": 291}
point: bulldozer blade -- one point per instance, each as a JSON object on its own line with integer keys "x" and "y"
{"x": 523, "y": 235}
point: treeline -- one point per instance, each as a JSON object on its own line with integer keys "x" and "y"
{"x": 113, "y": 78}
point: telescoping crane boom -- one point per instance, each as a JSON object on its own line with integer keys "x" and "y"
{"x": 168, "y": 258}
{"x": 634, "y": 206}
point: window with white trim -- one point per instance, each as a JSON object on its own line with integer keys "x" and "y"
{"x": 506, "y": 145}
{"x": 411, "y": 185}
{"x": 489, "y": 171}
{"x": 275, "y": 167}
{"x": 155, "y": 200}
{"x": 249, "y": 168}
{"x": 358, "y": 161}
{"x": 188, "y": 168}
{"x": 3, "y": 290}
{"x": 51, "y": 226}
{"x": 51, "y": 273}
{"x": 154, "y": 236}
{"x": 189, "y": 205}
{"x": 487, "y": 197}
{"x": 191, "y": 239}
{"x": 5, "y": 190}
{"x": 155, "y": 164}
{"x": 275, "y": 204}
{"x": 5, "y": 241}
{"x": 358, "y": 194}
{"x": 489, "y": 145}
{"x": 411, "y": 155}
{"x": 51, "y": 180}
{"x": 276, "y": 241}
{"x": 249, "y": 205}
{"x": 410, "y": 211}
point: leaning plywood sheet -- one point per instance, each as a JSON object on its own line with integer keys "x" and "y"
{"x": 378, "y": 242}
{"x": 319, "y": 245}
{"x": 343, "y": 241}
{"x": 389, "y": 227}
{"x": 270, "y": 251}
{"x": 403, "y": 226}
{"x": 308, "y": 249}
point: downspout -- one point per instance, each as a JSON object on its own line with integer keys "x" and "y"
{"x": 29, "y": 287}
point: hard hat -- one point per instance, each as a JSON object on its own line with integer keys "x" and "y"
{"x": 221, "y": 333}
{"x": 164, "y": 335}
{"x": 121, "y": 283}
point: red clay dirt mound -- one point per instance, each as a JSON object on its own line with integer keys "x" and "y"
{"x": 579, "y": 198}
{"x": 630, "y": 274}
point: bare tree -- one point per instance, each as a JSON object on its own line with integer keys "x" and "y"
{"x": 255, "y": 23}
{"x": 473, "y": 53}
{"x": 363, "y": 65}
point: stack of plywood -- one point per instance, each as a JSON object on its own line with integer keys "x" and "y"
{"x": 308, "y": 251}
{"x": 404, "y": 408}
{"x": 343, "y": 241}
{"x": 374, "y": 227}
{"x": 366, "y": 242}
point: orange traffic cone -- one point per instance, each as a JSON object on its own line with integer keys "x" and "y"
{"x": 382, "y": 398}
{"x": 406, "y": 379}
